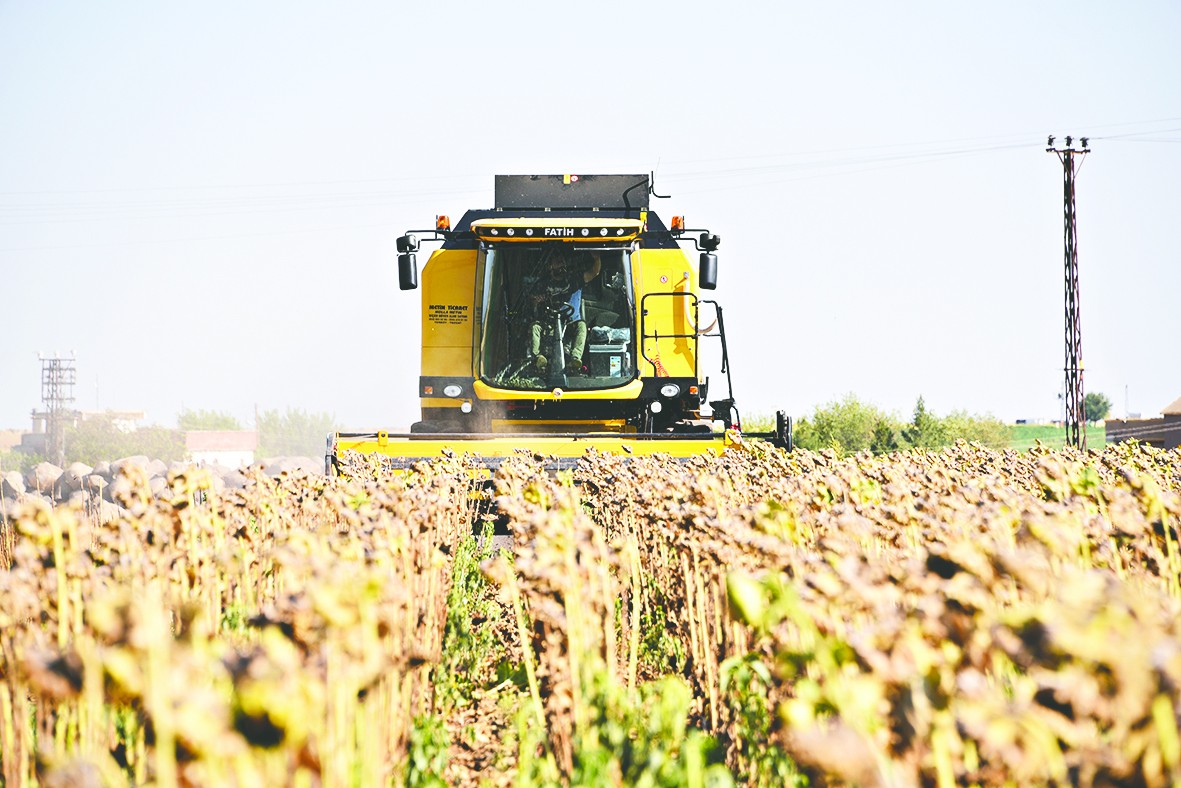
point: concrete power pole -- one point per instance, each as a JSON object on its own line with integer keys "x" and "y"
{"x": 1076, "y": 432}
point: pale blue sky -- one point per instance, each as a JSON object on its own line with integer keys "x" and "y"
{"x": 201, "y": 201}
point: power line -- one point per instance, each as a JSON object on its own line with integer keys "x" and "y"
{"x": 215, "y": 205}
{"x": 1148, "y": 139}
{"x": 910, "y": 161}
{"x": 843, "y": 162}
{"x": 167, "y": 241}
{"x": 1132, "y": 134}
{"x": 229, "y": 199}
{"x": 82, "y": 210}
{"x": 263, "y": 185}
{"x": 1016, "y": 137}
{"x": 816, "y": 163}
{"x": 89, "y": 211}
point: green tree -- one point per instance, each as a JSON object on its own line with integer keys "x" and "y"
{"x": 851, "y": 426}
{"x": 886, "y": 436}
{"x": 985, "y": 430}
{"x": 295, "y": 433}
{"x": 847, "y": 426}
{"x": 1096, "y": 406}
{"x": 97, "y": 439}
{"x": 928, "y": 431}
{"x": 189, "y": 420}
{"x": 17, "y": 460}
{"x": 925, "y": 430}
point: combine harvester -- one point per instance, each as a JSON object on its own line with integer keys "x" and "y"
{"x": 566, "y": 317}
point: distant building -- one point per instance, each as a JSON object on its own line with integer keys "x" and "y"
{"x": 1164, "y": 433}
{"x": 230, "y": 448}
{"x": 126, "y": 421}
{"x": 122, "y": 420}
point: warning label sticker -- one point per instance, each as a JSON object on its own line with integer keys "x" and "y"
{"x": 447, "y": 314}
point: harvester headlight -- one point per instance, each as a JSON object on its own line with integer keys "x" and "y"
{"x": 493, "y": 231}
{"x": 510, "y": 231}
{"x": 670, "y": 390}
{"x": 452, "y": 391}
{"x": 619, "y": 231}
{"x": 603, "y": 231}
{"x": 529, "y": 231}
{"x": 585, "y": 231}
{"x": 655, "y": 407}
{"x": 466, "y": 407}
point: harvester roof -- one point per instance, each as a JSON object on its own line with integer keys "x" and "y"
{"x": 583, "y": 192}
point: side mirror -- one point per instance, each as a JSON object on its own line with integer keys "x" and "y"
{"x": 707, "y": 275}
{"x": 407, "y": 271}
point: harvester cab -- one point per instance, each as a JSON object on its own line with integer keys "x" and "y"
{"x": 565, "y": 317}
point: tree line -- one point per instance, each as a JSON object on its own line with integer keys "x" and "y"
{"x": 850, "y": 425}
{"x": 291, "y": 433}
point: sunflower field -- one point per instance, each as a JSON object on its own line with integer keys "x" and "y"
{"x": 961, "y": 616}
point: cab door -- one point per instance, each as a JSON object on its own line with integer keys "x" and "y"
{"x": 666, "y": 292}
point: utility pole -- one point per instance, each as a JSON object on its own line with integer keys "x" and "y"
{"x": 1076, "y": 433}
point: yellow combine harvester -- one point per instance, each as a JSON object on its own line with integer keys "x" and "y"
{"x": 566, "y": 317}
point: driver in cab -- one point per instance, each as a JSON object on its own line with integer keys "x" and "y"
{"x": 559, "y": 290}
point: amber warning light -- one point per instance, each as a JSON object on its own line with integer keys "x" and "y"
{"x": 442, "y": 223}
{"x": 678, "y": 224}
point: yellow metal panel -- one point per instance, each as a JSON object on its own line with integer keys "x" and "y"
{"x": 628, "y": 391}
{"x": 446, "y": 360}
{"x": 448, "y": 312}
{"x": 666, "y": 271}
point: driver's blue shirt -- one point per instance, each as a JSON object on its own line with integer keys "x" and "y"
{"x": 574, "y": 304}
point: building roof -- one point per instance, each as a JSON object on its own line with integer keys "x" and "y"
{"x": 1173, "y": 409}
{"x": 221, "y": 440}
